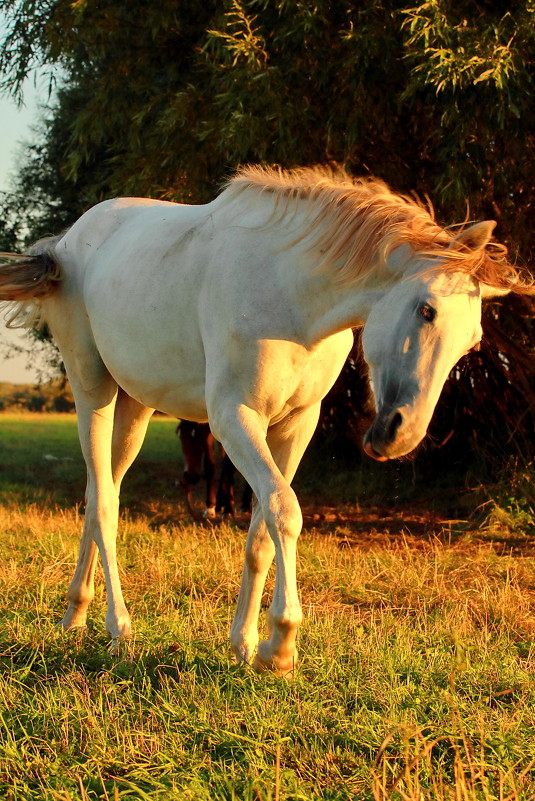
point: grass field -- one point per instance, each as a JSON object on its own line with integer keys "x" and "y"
{"x": 417, "y": 652}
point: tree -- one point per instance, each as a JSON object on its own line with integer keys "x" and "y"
{"x": 166, "y": 99}
{"x": 435, "y": 98}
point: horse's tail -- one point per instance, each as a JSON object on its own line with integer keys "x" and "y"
{"x": 26, "y": 279}
{"x": 35, "y": 275}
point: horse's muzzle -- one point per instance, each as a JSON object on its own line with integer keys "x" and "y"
{"x": 382, "y": 441}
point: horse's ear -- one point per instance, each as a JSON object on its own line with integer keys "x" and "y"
{"x": 476, "y": 236}
{"x": 488, "y": 292}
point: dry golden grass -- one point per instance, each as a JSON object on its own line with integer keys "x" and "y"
{"x": 415, "y": 679}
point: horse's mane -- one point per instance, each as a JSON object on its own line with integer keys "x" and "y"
{"x": 357, "y": 223}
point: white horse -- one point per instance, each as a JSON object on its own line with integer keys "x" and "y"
{"x": 240, "y": 313}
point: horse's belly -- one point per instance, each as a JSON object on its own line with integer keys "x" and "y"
{"x": 184, "y": 401}
{"x": 169, "y": 380}
{"x": 155, "y": 360}
{"x": 144, "y": 323}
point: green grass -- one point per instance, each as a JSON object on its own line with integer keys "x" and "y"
{"x": 416, "y": 666}
{"x": 41, "y": 460}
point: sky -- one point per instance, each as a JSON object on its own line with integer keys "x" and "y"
{"x": 15, "y": 129}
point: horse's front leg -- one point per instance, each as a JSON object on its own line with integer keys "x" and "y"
{"x": 287, "y": 442}
{"x": 259, "y": 553}
{"x": 210, "y": 476}
{"x": 284, "y": 522}
{"x": 269, "y": 464}
{"x": 225, "y": 488}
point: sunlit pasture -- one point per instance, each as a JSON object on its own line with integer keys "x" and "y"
{"x": 417, "y": 655}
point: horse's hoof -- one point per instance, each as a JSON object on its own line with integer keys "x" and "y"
{"x": 118, "y": 628}
{"x": 280, "y": 666}
{"x": 62, "y": 628}
{"x": 114, "y": 648}
{"x": 69, "y": 622}
{"x": 119, "y": 647}
{"x": 243, "y": 654}
{"x": 209, "y": 513}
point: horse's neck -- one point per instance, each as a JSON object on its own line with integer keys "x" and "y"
{"x": 334, "y": 307}
{"x": 324, "y": 304}
{"x": 339, "y": 306}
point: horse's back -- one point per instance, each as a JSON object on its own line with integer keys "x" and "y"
{"x": 129, "y": 273}
{"x": 124, "y": 223}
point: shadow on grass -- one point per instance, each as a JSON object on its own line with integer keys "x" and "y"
{"x": 366, "y": 506}
{"x": 83, "y": 651}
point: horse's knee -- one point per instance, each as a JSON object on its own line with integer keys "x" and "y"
{"x": 190, "y": 479}
{"x": 283, "y": 515}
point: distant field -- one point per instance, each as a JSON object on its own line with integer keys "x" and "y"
{"x": 417, "y": 652}
{"x": 40, "y": 458}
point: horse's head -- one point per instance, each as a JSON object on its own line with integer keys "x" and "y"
{"x": 414, "y": 335}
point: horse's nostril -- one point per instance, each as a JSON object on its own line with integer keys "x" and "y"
{"x": 393, "y": 426}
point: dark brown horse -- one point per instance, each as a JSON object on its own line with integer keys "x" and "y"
{"x": 198, "y": 448}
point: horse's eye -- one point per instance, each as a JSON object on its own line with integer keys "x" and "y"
{"x": 427, "y": 312}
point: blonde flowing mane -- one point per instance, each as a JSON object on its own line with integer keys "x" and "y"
{"x": 357, "y": 223}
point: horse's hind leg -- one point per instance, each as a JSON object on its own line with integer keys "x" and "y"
{"x": 128, "y": 420}
{"x": 82, "y": 587}
{"x": 129, "y": 428}
{"x": 95, "y": 409}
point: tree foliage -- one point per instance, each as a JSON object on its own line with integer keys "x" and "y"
{"x": 52, "y": 396}
{"x": 166, "y": 99}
